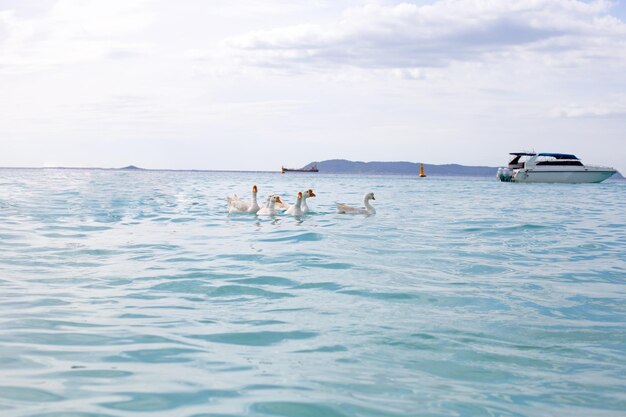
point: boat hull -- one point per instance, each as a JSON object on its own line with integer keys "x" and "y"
{"x": 568, "y": 177}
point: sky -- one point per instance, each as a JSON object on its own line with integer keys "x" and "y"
{"x": 253, "y": 85}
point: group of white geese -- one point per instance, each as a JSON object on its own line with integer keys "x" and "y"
{"x": 274, "y": 205}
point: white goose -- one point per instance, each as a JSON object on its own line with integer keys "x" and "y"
{"x": 282, "y": 206}
{"x": 237, "y": 205}
{"x": 368, "y": 209}
{"x": 296, "y": 209}
{"x": 308, "y": 193}
{"x": 270, "y": 208}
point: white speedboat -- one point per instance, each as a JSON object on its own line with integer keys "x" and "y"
{"x": 551, "y": 167}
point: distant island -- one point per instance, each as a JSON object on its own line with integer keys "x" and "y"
{"x": 343, "y": 166}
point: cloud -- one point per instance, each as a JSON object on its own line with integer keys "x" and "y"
{"x": 71, "y": 31}
{"x": 613, "y": 108}
{"x": 439, "y": 34}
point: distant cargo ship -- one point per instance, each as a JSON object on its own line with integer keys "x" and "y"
{"x": 312, "y": 168}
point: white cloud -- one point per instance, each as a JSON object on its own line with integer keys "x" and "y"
{"x": 72, "y": 31}
{"x": 615, "y": 107}
{"x": 435, "y": 35}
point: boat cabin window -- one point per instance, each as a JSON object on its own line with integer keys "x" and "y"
{"x": 552, "y": 161}
{"x": 561, "y": 163}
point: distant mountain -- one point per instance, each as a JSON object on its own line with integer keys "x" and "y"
{"x": 343, "y": 166}
{"x": 131, "y": 168}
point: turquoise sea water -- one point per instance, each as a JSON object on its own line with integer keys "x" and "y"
{"x": 134, "y": 294}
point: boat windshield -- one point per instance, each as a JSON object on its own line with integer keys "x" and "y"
{"x": 519, "y": 159}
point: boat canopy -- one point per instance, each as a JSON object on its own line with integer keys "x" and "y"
{"x": 522, "y": 153}
{"x": 559, "y": 155}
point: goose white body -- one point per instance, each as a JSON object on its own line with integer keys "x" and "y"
{"x": 368, "y": 209}
{"x": 282, "y": 206}
{"x": 296, "y": 209}
{"x": 237, "y": 205}
{"x": 307, "y": 194}
{"x": 270, "y": 208}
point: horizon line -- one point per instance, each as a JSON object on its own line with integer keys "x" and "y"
{"x": 138, "y": 168}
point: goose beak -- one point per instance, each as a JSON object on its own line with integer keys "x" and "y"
{"x": 311, "y": 193}
{"x": 278, "y": 199}
{"x": 373, "y": 198}
{"x": 254, "y": 189}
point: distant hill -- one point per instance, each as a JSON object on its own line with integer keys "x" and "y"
{"x": 343, "y": 166}
{"x": 131, "y": 168}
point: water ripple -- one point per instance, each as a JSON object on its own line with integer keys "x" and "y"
{"x": 135, "y": 293}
